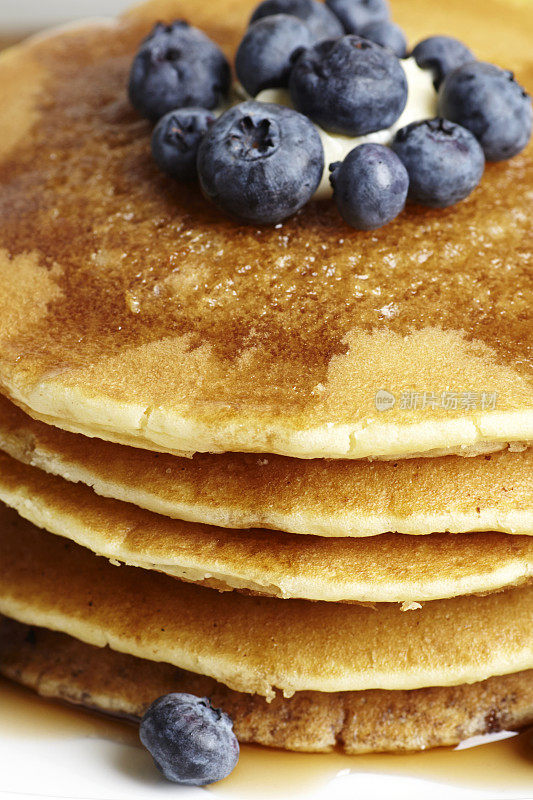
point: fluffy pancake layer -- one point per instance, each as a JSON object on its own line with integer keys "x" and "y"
{"x": 324, "y": 498}
{"x": 387, "y": 568}
{"x": 144, "y": 316}
{"x": 57, "y": 666}
{"x": 259, "y": 644}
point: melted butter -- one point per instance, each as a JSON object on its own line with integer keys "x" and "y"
{"x": 266, "y": 773}
{"x": 421, "y": 104}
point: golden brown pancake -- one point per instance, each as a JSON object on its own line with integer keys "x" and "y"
{"x": 259, "y": 644}
{"x": 325, "y": 498}
{"x": 132, "y": 310}
{"x": 387, "y": 568}
{"x": 57, "y": 666}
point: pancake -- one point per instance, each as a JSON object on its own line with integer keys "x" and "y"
{"x": 325, "y": 498}
{"x": 257, "y": 644}
{"x": 58, "y": 666}
{"x": 387, "y": 568}
{"x": 134, "y": 311}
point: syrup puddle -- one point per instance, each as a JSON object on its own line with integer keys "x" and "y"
{"x": 505, "y": 765}
{"x": 27, "y": 716}
{"x": 501, "y": 766}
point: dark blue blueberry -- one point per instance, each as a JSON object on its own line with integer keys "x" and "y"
{"x": 357, "y": 14}
{"x": 176, "y": 139}
{"x": 177, "y": 66}
{"x": 261, "y": 162}
{"x": 370, "y": 186}
{"x": 349, "y": 86}
{"x": 491, "y": 104}
{"x": 190, "y": 741}
{"x": 322, "y": 23}
{"x": 387, "y": 34}
{"x": 263, "y": 59}
{"x": 441, "y": 54}
{"x": 444, "y": 161}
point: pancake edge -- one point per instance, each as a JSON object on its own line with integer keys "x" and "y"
{"x": 58, "y": 667}
{"x": 249, "y": 580}
{"x": 160, "y": 431}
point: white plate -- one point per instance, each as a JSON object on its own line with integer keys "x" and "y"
{"x": 54, "y": 752}
{"x": 23, "y": 15}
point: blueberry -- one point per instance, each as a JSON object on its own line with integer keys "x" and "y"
{"x": 349, "y": 86}
{"x": 387, "y": 34}
{"x": 444, "y": 161}
{"x": 370, "y": 186}
{"x": 441, "y": 54}
{"x": 322, "y": 23}
{"x": 176, "y": 139}
{"x": 357, "y": 14}
{"x": 491, "y": 104}
{"x": 177, "y": 66}
{"x": 263, "y": 59}
{"x": 261, "y": 162}
{"x": 190, "y": 741}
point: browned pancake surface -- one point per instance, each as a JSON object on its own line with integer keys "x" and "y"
{"x": 132, "y": 309}
{"x": 58, "y": 666}
{"x": 334, "y": 498}
{"x": 387, "y": 568}
{"x": 258, "y": 644}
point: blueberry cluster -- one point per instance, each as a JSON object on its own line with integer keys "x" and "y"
{"x": 341, "y": 63}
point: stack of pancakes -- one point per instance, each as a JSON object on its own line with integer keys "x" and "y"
{"x": 284, "y": 468}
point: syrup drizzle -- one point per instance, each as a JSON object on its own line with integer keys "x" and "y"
{"x": 502, "y": 766}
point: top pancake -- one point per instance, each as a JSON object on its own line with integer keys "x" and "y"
{"x": 132, "y": 310}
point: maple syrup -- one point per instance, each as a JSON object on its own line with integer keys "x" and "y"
{"x": 26, "y": 715}
{"x": 503, "y": 765}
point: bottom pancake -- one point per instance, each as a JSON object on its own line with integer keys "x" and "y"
{"x": 58, "y": 666}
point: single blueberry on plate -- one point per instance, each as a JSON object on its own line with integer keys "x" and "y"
{"x": 263, "y": 60}
{"x": 322, "y": 23}
{"x": 357, "y": 14}
{"x": 190, "y": 741}
{"x": 387, "y": 34}
{"x": 349, "y": 85}
{"x": 491, "y": 104}
{"x": 441, "y": 54}
{"x": 369, "y": 186}
{"x": 261, "y": 162}
{"x": 444, "y": 161}
{"x": 177, "y": 66}
{"x": 176, "y": 139}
